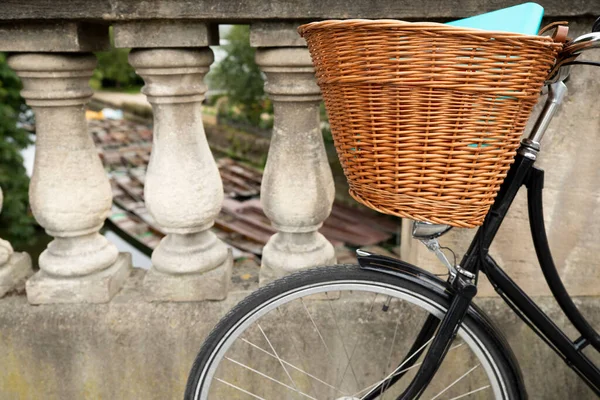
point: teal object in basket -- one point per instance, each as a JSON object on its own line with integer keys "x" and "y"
{"x": 524, "y": 18}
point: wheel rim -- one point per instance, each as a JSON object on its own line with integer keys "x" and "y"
{"x": 206, "y": 381}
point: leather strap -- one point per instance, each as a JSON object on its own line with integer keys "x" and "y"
{"x": 560, "y": 34}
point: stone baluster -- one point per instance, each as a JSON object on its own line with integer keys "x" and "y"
{"x": 183, "y": 189}
{"x": 70, "y": 195}
{"x": 15, "y": 267}
{"x": 297, "y": 190}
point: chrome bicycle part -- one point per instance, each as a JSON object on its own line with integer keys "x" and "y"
{"x": 427, "y": 230}
{"x": 593, "y": 38}
{"x": 428, "y": 234}
{"x": 433, "y": 245}
{"x": 556, "y": 94}
{"x": 590, "y": 40}
{"x": 469, "y": 276}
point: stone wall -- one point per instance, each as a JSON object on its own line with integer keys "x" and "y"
{"x": 244, "y": 11}
{"x": 130, "y": 349}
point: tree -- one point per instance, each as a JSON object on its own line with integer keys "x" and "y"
{"x": 239, "y": 76}
{"x": 113, "y": 69}
{"x": 16, "y": 223}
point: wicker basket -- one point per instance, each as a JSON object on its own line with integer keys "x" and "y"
{"x": 426, "y": 117}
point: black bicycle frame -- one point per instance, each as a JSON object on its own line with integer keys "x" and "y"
{"x": 477, "y": 259}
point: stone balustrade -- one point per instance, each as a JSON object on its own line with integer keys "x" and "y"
{"x": 297, "y": 189}
{"x": 52, "y": 45}
{"x": 183, "y": 188}
{"x": 70, "y": 194}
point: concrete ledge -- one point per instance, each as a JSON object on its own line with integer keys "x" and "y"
{"x": 14, "y": 273}
{"x": 210, "y": 285}
{"x": 53, "y": 36}
{"x": 276, "y": 34}
{"x": 115, "y": 10}
{"x": 132, "y": 349}
{"x": 172, "y": 33}
{"x": 43, "y": 288}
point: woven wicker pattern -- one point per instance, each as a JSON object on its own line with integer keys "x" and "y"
{"x": 426, "y": 118}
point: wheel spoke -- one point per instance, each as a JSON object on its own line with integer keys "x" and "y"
{"x": 317, "y": 329}
{"x": 276, "y": 355}
{"x": 418, "y": 364}
{"x": 302, "y": 361}
{"x": 393, "y": 372}
{"x": 239, "y": 388}
{"x": 389, "y": 363}
{"x": 385, "y": 387}
{"x": 404, "y": 370}
{"x": 353, "y": 348}
{"x": 294, "y": 367}
{"x": 455, "y": 382}
{"x": 268, "y": 377}
{"x": 470, "y": 393}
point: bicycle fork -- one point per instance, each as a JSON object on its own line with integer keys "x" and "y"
{"x": 439, "y": 342}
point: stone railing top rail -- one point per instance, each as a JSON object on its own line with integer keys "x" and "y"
{"x": 245, "y": 11}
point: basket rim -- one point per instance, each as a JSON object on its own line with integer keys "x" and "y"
{"x": 430, "y": 26}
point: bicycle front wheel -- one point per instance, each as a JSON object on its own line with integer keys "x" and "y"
{"x": 337, "y": 333}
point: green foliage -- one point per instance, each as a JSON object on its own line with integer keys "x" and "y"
{"x": 239, "y": 76}
{"x": 113, "y": 70}
{"x": 16, "y": 224}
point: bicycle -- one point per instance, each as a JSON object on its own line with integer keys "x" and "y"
{"x": 287, "y": 341}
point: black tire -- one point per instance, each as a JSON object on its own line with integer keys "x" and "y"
{"x": 474, "y": 322}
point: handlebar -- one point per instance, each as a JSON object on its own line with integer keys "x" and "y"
{"x": 556, "y": 86}
{"x": 571, "y": 51}
{"x": 584, "y": 42}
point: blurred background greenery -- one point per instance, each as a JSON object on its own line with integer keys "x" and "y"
{"x": 113, "y": 71}
{"x": 240, "y": 83}
{"x": 16, "y": 222}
